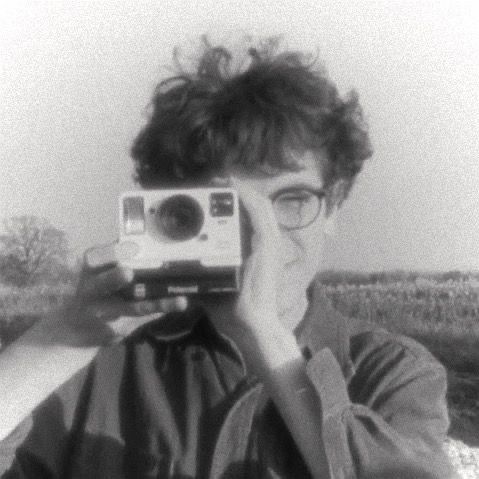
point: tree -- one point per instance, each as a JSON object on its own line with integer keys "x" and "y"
{"x": 32, "y": 251}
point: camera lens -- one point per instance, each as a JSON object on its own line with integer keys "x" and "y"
{"x": 180, "y": 217}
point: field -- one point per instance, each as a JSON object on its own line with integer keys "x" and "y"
{"x": 442, "y": 315}
{"x": 20, "y": 308}
{"x": 439, "y": 311}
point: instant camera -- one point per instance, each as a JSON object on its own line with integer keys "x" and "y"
{"x": 189, "y": 241}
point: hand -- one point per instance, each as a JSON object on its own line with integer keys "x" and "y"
{"x": 253, "y": 320}
{"x": 97, "y": 314}
{"x": 257, "y": 303}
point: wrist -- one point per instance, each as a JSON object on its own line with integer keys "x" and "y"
{"x": 268, "y": 345}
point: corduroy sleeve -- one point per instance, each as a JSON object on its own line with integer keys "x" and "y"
{"x": 390, "y": 419}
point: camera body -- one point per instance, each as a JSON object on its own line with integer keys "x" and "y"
{"x": 189, "y": 241}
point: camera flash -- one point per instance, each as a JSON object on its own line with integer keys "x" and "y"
{"x": 133, "y": 215}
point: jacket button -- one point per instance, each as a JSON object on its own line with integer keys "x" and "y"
{"x": 198, "y": 355}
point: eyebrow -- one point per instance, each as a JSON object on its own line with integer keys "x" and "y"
{"x": 295, "y": 186}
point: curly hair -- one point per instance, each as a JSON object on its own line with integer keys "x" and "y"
{"x": 204, "y": 121}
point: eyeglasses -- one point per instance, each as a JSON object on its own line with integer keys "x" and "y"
{"x": 297, "y": 208}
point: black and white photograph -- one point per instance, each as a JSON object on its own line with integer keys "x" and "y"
{"x": 239, "y": 239}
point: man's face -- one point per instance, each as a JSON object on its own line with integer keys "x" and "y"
{"x": 300, "y": 249}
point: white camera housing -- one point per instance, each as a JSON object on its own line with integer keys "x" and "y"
{"x": 188, "y": 240}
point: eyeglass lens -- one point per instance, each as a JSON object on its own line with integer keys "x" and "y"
{"x": 296, "y": 209}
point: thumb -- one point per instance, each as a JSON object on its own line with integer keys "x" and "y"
{"x": 123, "y": 326}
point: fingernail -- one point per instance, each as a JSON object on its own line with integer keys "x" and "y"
{"x": 92, "y": 258}
{"x": 99, "y": 256}
{"x": 181, "y": 303}
{"x": 127, "y": 274}
{"x": 170, "y": 305}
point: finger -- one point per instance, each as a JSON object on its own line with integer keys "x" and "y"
{"x": 124, "y": 317}
{"x": 259, "y": 208}
{"x": 260, "y": 267}
{"x": 164, "y": 305}
{"x": 105, "y": 256}
{"x": 173, "y": 304}
{"x": 99, "y": 256}
{"x": 105, "y": 283}
{"x": 123, "y": 326}
{"x": 115, "y": 307}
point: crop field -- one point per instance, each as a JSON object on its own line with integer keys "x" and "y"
{"x": 441, "y": 314}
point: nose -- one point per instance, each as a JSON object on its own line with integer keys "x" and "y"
{"x": 290, "y": 248}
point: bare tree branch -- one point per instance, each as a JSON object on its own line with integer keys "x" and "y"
{"x": 30, "y": 250}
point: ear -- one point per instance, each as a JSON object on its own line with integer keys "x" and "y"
{"x": 333, "y": 202}
{"x": 330, "y": 221}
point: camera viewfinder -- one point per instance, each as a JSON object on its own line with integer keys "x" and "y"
{"x": 221, "y": 204}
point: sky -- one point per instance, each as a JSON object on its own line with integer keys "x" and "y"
{"x": 76, "y": 78}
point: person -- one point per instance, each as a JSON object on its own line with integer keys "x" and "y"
{"x": 271, "y": 382}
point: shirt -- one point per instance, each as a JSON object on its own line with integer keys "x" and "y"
{"x": 174, "y": 400}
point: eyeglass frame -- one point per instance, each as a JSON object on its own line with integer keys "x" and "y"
{"x": 319, "y": 193}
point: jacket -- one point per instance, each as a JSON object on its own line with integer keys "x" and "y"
{"x": 175, "y": 401}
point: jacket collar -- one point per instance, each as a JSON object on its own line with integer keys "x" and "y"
{"x": 324, "y": 327}
{"x": 321, "y": 327}
{"x": 172, "y": 327}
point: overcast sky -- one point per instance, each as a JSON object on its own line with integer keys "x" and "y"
{"x": 76, "y": 76}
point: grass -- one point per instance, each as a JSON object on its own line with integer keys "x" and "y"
{"x": 444, "y": 317}
{"x": 20, "y": 307}
{"x": 440, "y": 312}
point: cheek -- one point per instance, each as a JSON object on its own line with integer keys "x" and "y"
{"x": 305, "y": 247}
{"x": 313, "y": 249}
{"x": 301, "y": 261}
